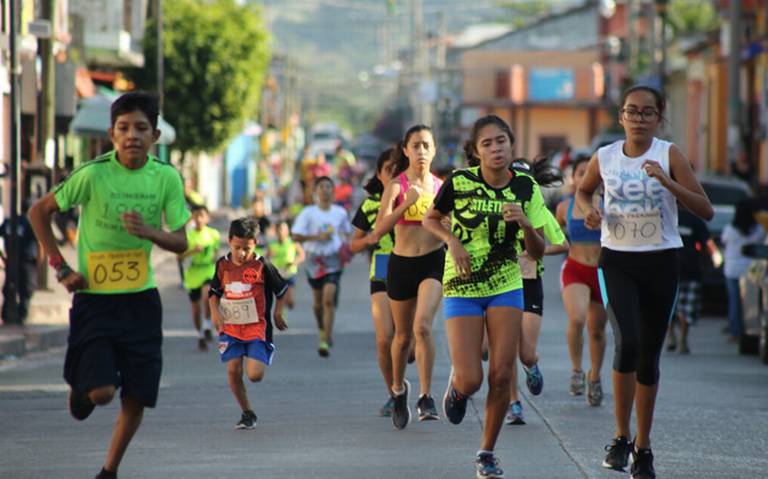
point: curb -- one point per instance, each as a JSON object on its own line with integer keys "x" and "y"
{"x": 15, "y": 342}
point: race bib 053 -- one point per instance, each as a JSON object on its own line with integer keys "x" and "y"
{"x": 117, "y": 270}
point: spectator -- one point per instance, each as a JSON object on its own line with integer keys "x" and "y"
{"x": 27, "y": 279}
{"x": 743, "y": 230}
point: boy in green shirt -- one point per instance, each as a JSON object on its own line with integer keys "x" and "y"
{"x": 115, "y": 332}
{"x": 203, "y": 244}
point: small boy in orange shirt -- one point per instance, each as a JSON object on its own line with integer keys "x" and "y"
{"x": 241, "y": 297}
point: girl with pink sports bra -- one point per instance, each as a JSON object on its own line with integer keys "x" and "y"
{"x": 415, "y": 269}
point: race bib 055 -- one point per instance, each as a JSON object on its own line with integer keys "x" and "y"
{"x": 416, "y": 211}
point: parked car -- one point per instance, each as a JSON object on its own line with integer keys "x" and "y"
{"x": 724, "y": 193}
{"x": 753, "y": 287}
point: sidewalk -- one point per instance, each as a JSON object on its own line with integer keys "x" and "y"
{"x": 48, "y": 322}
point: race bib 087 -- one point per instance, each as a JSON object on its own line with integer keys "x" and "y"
{"x": 117, "y": 270}
{"x": 635, "y": 229}
{"x": 239, "y": 311}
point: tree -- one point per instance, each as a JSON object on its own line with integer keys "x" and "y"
{"x": 216, "y": 54}
{"x": 526, "y": 11}
{"x": 689, "y": 18}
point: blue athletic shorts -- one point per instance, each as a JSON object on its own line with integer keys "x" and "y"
{"x": 233, "y": 348}
{"x": 454, "y": 307}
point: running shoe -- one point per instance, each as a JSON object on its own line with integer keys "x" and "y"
{"x": 80, "y": 406}
{"x": 105, "y": 474}
{"x": 411, "y": 357}
{"x": 323, "y": 349}
{"x": 514, "y": 414}
{"x": 401, "y": 413}
{"x": 534, "y": 379}
{"x": 454, "y": 404}
{"x": 426, "y": 409}
{"x": 208, "y": 335}
{"x": 671, "y": 340}
{"x": 386, "y": 409}
{"x": 618, "y": 454}
{"x": 247, "y": 420}
{"x": 485, "y": 355}
{"x": 202, "y": 345}
{"x": 577, "y": 383}
{"x": 684, "y": 347}
{"x": 594, "y": 393}
{"x": 642, "y": 464}
{"x": 487, "y": 466}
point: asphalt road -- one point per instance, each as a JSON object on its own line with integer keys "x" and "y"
{"x": 318, "y": 417}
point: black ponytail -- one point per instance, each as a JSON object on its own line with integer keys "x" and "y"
{"x": 374, "y": 186}
{"x": 540, "y": 169}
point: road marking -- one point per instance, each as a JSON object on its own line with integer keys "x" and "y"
{"x": 45, "y": 387}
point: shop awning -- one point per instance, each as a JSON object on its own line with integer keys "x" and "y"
{"x": 92, "y": 119}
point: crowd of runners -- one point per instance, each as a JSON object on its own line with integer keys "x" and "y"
{"x": 472, "y": 241}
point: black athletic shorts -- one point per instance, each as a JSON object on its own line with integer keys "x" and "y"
{"x": 197, "y": 293}
{"x": 378, "y": 286}
{"x": 533, "y": 292}
{"x": 330, "y": 278}
{"x": 405, "y": 273}
{"x": 116, "y": 339}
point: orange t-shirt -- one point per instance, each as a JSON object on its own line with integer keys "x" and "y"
{"x": 256, "y": 278}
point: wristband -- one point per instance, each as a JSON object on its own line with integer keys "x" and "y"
{"x": 56, "y": 262}
{"x": 63, "y": 271}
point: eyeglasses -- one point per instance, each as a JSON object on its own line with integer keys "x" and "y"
{"x": 635, "y": 115}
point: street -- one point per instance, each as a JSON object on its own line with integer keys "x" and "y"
{"x": 318, "y": 417}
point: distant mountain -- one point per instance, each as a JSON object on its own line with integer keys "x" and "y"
{"x": 345, "y": 48}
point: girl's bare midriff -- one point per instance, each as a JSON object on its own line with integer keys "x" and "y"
{"x": 585, "y": 253}
{"x": 413, "y": 240}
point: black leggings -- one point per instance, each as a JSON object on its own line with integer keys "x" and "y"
{"x": 639, "y": 291}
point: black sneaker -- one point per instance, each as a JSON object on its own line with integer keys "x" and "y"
{"x": 488, "y": 467}
{"x": 401, "y": 413}
{"x": 247, "y": 420}
{"x": 105, "y": 474}
{"x": 618, "y": 454}
{"x": 642, "y": 464}
{"x": 386, "y": 409}
{"x": 80, "y": 406}
{"x": 202, "y": 345}
{"x": 208, "y": 335}
{"x": 425, "y": 406}
{"x": 454, "y": 404}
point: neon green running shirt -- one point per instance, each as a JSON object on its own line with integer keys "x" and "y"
{"x": 476, "y": 219}
{"x": 364, "y": 219}
{"x": 283, "y": 255}
{"x": 112, "y": 260}
{"x": 203, "y": 265}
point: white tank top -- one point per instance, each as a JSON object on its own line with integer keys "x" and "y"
{"x": 639, "y": 213}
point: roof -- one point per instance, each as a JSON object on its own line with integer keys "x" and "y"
{"x": 93, "y": 119}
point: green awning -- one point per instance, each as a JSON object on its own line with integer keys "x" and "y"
{"x": 92, "y": 119}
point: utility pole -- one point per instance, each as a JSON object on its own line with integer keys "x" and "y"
{"x": 15, "y": 174}
{"x": 661, "y": 12}
{"x": 734, "y": 81}
{"x": 417, "y": 72}
{"x": 632, "y": 38}
{"x": 160, "y": 57}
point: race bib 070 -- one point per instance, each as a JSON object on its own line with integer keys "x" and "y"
{"x": 239, "y": 311}
{"x": 635, "y": 229}
{"x": 416, "y": 211}
{"x": 117, "y": 270}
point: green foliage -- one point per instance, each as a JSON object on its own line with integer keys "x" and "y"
{"x": 216, "y": 54}
{"x": 687, "y": 17}
{"x": 525, "y": 11}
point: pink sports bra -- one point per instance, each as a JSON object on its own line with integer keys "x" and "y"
{"x": 415, "y": 213}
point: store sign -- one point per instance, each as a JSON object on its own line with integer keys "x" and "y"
{"x": 551, "y": 84}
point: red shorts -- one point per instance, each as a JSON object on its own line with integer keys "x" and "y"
{"x": 574, "y": 272}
